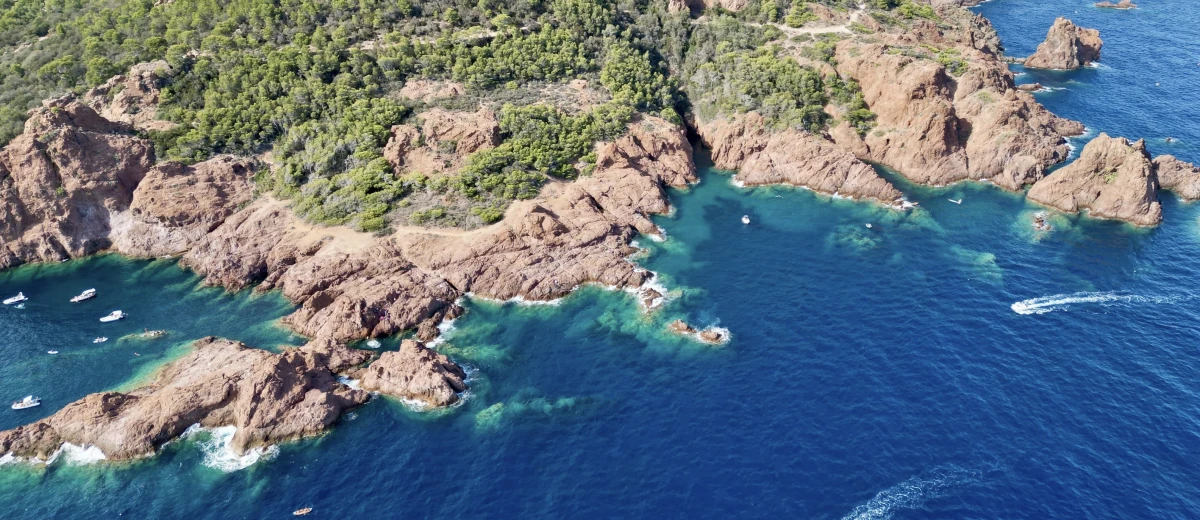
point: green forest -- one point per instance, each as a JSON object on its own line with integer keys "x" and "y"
{"x": 312, "y": 81}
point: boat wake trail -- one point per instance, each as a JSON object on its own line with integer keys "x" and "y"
{"x": 913, "y": 493}
{"x": 1057, "y": 302}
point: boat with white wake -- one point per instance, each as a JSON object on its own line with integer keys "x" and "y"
{"x": 85, "y": 295}
{"x": 28, "y": 402}
{"x": 113, "y": 316}
{"x": 20, "y": 297}
{"x": 100, "y": 339}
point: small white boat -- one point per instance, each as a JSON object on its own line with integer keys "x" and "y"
{"x": 52, "y": 352}
{"x": 85, "y": 295}
{"x": 959, "y": 201}
{"x": 20, "y": 297}
{"x": 113, "y": 316}
{"x": 745, "y": 219}
{"x": 868, "y": 225}
{"x": 100, "y": 339}
{"x": 28, "y": 402}
{"x": 373, "y": 343}
{"x": 302, "y": 512}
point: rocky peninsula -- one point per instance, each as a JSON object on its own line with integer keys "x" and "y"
{"x": 270, "y": 398}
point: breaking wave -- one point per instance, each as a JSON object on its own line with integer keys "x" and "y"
{"x": 217, "y": 445}
{"x": 912, "y": 493}
{"x": 1057, "y": 302}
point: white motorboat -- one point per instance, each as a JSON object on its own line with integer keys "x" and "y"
{"x": 100, "y": 339}
{"x": 113, "y": 316}
{"x": 959, "y": 201}
{"x": 373, "y": 343}
{"x": 745, "y": 219}
{"x": 20, "y": 297}
{"x": 28, "y": 402}
{"x": 85, "y": 295}
{"x": 52, "y": 352}
{"x": 302, "y": 512}
{"x": 868, "y": 225}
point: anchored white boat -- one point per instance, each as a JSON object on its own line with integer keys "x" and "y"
{"x": 28, "y": 402}
{"x": 52, "y": 352}
{"x": 85, "y": 295}
{"x": 959, "y": 201}
{"x": 302, "y": 512}
{"x": 20, "y": 297}
{"x": 113, "y": 316}
{"x": 100, "y": 339}
{"x": 745, "y": 219}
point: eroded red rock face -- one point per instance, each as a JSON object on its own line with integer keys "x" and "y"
{"x": 63, "y": 179}
{"x": 1113, "y": 178}
{"x": 1067, "y": 47}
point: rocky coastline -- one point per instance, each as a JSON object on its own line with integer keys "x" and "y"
{"x": 80, "y": 180}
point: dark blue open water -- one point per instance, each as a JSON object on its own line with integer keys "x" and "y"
{"x": 874, "y": 373}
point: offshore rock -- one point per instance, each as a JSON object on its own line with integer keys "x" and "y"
{"x": 765, "y": 156}
{"x": 415, "y": 372}
{"x": 269, "y": 398}
{"x": 1183, "y": 178}
{"x": 1067, "y": 47}
{"x": 1112, "y": 178}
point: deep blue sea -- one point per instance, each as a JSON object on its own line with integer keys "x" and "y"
{"x": 945, "y": 363}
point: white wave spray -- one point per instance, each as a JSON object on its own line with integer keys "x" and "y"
{"x": 218, "y": 449}
{"x": 1057, "y": 302}
{"x": 912, "y": 493}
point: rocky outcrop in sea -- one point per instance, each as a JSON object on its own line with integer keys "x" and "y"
{"x": 1067, "y": 47}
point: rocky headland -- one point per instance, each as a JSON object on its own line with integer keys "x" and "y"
{"x": 1116, "y": 179}
{"x": 1067, "y": 47}
{"x": 269, "y": 397}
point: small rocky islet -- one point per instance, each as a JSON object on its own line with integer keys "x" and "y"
{"x": 83, "y": 179}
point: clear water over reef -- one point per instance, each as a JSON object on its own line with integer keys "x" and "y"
{"x": 946, "y": 363}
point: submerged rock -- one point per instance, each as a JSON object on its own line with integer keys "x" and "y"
{"x": 1067, "y": 47}
{"x": 711, "y": 335}
{"x": 1112, "y": 178}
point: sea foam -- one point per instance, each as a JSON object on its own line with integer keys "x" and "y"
{"x": 217, "y": 445}
{"x": 1057, "y": 302}
{"x": 912, "y": 493}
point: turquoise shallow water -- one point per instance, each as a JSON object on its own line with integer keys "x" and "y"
{"x": 873, "y": 373}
